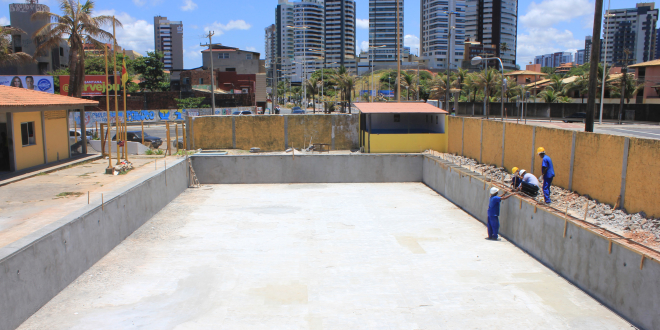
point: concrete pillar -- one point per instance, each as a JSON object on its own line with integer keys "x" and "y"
{"x": 43, "y": 136}
{"x": 286, "y": 132}
{"x": 531, "y": 170}
{"x": 624, "y": 169}
{"x": 503, "y": 135}
{"x": 83, "y": 130}
{"x": 462, "y": 137}
{"x": 481, "y": 141}
{"x": 570, "y": 172}
{"x": 233, "y": 132}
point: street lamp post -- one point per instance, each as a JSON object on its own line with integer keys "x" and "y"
{"x": 477, "y": 60}
{"x": 602, "y": 91}
{"x": 371, "y": 62}
{"x": 449, "y": 51}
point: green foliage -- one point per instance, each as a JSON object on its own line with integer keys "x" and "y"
{"x": 189, "y": 103}
{"x": 548, "y": 70}
{"x": 152, "y": 72}
{"x": 95, "y": 65}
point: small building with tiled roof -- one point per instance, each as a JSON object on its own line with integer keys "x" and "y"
{"x": 529, "y": 75}
{"x": 387, "y": 127}
{"x": 34, "y": 128}
{"x": 648, "y": 73}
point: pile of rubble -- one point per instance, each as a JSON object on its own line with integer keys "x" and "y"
{"x": 123, "y": 167}
{"x": 636, "y": 226}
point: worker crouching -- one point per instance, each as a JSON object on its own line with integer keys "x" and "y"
{"x": 529, "y": 184}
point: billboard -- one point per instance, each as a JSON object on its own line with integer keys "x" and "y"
{"x": 37, "y": 83}
{"x": 94, "y": 85}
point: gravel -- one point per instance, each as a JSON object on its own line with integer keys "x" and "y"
{"x": 638, "y": 226}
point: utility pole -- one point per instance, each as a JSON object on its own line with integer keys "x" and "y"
{"x": 602, "y": 91}
{"x": 593, "y": 70}
{"x": 274, "y": 87}
{"x": 211, "y": 33}
{"x": 449, "y": 42}
{"x": 398, "y": 55}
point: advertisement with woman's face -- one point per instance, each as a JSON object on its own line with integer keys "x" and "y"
{"x": 37, "y": 83}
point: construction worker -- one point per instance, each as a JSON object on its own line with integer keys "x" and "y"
{"x": 515, "y": 181}
{"x": 493, "y": 224}
{"x": 529, "y": 184}
{"x": 548, "y": 171}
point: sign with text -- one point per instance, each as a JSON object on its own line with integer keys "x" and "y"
{"x": 37, "y": 83}
{"x": 94, "y": 86}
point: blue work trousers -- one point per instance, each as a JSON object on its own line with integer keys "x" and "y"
{"x": 546, "y": 189}
{"x": 493, "y": 226}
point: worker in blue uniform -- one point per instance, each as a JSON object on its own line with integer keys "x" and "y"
{"x": 548, "y": 171}
{"x": 493, "y": 224}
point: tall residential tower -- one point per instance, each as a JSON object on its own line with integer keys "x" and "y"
{"x": 168, "y": 39}
{"x": 631, "y": 29}
{"x": 434, "y": 31}
{"x": 340, "y": 24}
{"x": 383, "y": 29}
{"x": 494, "y": 22}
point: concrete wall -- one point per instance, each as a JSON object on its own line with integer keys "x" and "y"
{"x": 615, "y": 279}
{"x": 413, "y": 143}
{"x": 57, "y": 139}
{"x": 308, "y": 168}
{"x": 599, "y": 165}
{"x": 273, "y": 132}
{"x": 31, "y": 155}
{"x": 37, "y": 267}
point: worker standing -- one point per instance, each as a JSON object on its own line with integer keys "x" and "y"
{"x": 493, "y": 224}
{"x": 548, "y": 171}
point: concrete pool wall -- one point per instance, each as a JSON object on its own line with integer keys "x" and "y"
{"x": 37, "y": 267}
{"x": 34, "y": 269}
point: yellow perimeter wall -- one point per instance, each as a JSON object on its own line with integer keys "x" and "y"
{"x": 267, "y": 132}
{"x": 382, "y": 143}
{"x": 643, "y": 177}
{"x": 30, "y": 155}
{"x": 57, "y": 139}
{"x": 597, "y": 165}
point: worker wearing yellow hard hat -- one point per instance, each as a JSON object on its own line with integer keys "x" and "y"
{"x": 515, "y": 181}
{"x": 548, "y": 171}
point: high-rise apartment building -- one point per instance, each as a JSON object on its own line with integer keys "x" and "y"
{"x": 494, "y": 22}
{"x": 631, "y": 29}
{"x": 20, "y": 16}
{"x": 579, "y": 57}
{"x": 168, "y": 39}
{"x": 554, "y": 60}
{"x": 434, "y": 31}
{"x": 308, "y": 38}
{"x": 270, "y": 48}
{"x": 340, "y": 24}
{"x": 383, "y": 29}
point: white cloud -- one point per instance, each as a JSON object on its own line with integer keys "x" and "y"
{"x": 362, "y": 23}
{"x": 550, "y": 12}
{"x": 4, "y": 21}
{"x": 220, "y": 28}
{"x": 188, "y": 5}
{"x": 545, "y": 41}
{"x": 193, "y": 26}
{"x": 250, "y": 48}
{"x": 136, "y": 34}
{"x": 193, "y": 51}
{"x": 364, "y": 46}
{"x": 411, "y": 41}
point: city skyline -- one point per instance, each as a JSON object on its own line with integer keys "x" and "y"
{"x": 544, "y": 26}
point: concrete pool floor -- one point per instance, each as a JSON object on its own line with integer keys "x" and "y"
{"x": 318, "y": 256}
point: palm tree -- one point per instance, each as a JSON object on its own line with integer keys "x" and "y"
{"x": 313, "y": 85}
{"x": 580, "y": 85}
{"x": 557, "y": 84}
{"x": 7, "y": 55}
{"x": 77, "y": 26}
{"x": 487, "y": 80}
{"x": 549, "y": 95}
{"x": 409, "y": 81}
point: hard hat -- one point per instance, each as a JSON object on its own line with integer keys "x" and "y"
{"x": 514, "y": 170}
{"x": 493, "y": 190}
{"x": 522, "y": 172}
{"x": 540, "y": 150}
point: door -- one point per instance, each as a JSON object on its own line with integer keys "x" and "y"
{"x": 4, "y": 148}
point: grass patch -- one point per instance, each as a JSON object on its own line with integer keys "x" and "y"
{"x": 42, "y": 173}
{"x": 86, "y": 174}
{"x": 69, "y": 193}
{"x": 149, "y": 152}
{"x": 124, "y": 172}
{"x": 159, "y": 151}
{"x": 182, "y": 152}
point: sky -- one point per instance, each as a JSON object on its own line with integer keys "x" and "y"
{"x": 544, "y": 26}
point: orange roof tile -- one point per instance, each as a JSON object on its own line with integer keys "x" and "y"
{"x": 21, "y": 97}
{"x": 393, "y": 107}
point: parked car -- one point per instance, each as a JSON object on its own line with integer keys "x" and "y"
{"x": 136, "y": 136}
{"x": 576, "y": 117}
{"x": 242, "y": 113}
{"x": 77, "y": 134}
{"x": 297, "y": 111}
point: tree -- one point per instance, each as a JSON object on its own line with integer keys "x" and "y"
{"x": 189, "y": 103}
{"x": 95, "y": 65}
{"x": 77, "y": 26}
{"x": 504, "y": 47}
{"x": 409, "y": 81}
{"x": 313, "y": 87}
{"x": 557, "y": 84}
{"x": 7, "y": 55}
{"x": 579, "y": 85}
{"x": 152, "y": 72}
{"x": 548, "y": 70}
{"x": 488, "y": 80}
{"x": 549, "y": 95}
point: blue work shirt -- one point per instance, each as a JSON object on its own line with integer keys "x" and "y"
{"x": 547, "y": 162}
{"x": 494, "y": 206}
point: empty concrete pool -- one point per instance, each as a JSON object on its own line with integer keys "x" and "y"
{"x": 318, "y": 256}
